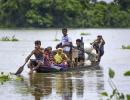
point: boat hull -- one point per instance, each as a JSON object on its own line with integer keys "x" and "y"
{"x": 77, "y": 68}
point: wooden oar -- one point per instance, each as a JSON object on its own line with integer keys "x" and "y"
{"x": 19, "y": 71}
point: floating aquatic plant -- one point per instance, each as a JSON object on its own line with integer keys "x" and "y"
{"x": 7, "y": 38}
{"x": 56, "y": 39}
{"x": 125, "y": 47}
{"x": 127, "y": 73}
{"x": 4, "y": 77}
{"x": 84, "y": 33}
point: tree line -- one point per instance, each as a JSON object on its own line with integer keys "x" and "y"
{"x": 64, "y": 13}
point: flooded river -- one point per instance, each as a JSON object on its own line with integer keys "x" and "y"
{"x": 79, "y": 85}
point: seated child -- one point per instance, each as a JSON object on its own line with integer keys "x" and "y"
{"x": 60, "y": 58}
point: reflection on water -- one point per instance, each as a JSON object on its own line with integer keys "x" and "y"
{"x": 64, "y": 86}
{"x": 81, "y": 85}
{"x": 40, "y": 85}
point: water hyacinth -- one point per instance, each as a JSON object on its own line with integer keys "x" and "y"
{"x": 127, "y": 73}
{"x": 84, "y": 33}
{"x": 56, "y": 39}
{"x": 125, "y": 46}
{"x": 4, "y": 77}
{"x": 7, "y": 38}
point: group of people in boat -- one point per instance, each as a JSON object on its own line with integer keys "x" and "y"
{"x": 62, "y": 56}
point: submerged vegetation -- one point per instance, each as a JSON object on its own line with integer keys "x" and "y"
{"x": 4, "y": 77}
{"x": 8, "y": 77}
{"x": 127, "y": 73}
{"x": 115, "y": 92}
{"x": 56, "y": 39}
{"x": 125, "y": 47}
{"x": 7, "y": 38}
{"x": 84, "y": 33}
{"x": 64, "y": 13}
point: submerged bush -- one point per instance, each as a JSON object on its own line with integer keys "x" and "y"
{"x": 84, "y": 33}
{"x": 4, "y": 78}
{"x": 56, "y": 39}
{"x": 125, "y": 47}
{"x": 127, "y": 73}
{"x": 7, "y": 38}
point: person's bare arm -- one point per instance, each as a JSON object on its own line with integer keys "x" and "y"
{"x": 41, "y": 50}
{"x": 65, "y": 57}
{"x": 29, "y": 56}
{"x": 103, "y": 42}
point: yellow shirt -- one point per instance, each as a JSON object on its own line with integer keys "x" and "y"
{"x": 58, "y": 58}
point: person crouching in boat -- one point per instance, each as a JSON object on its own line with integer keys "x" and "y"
{"x": 61, "y": 58}
{"x": 39, "y": 59}
{"x": 98, "y": 45}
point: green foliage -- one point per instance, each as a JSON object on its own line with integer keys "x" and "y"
{"x": 19, "y": 78}
{"x": 4, "y": 78}
{"x": 127, "y": 73}
{"x": 56, "y": 39}
{"x": 128, "y": 97}
{"x": 64, "y": 13}
{"x": 111, "y": 73}
{"x": 104, "y": 94}
{"x": 84, "y": 33}
{"x": 6, "y": 38}
{"x": 124, "y": 4}
{"x": 115, "y": 93}
{"x": 125, "y": 47}
{"x": 8, "y": 77}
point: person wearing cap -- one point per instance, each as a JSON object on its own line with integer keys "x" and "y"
{"x": 98, "y": 45}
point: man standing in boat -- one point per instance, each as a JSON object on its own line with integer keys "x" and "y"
{"x": 81, "y": 55}
{"x": 66, "y": 43}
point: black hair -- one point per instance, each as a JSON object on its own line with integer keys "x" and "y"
{"x": 46, "y": 49}
{"x": 38, "y": 42}
{"x": 99, "y": 36}
{"x": 49, "y": 47}
{"x": 78, "y": 40}
{"x": 64, "y": 29}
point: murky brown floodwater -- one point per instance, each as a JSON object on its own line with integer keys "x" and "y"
{"x": 80, "y": 85}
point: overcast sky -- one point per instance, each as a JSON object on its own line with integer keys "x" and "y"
{"x": 106, "y": 0}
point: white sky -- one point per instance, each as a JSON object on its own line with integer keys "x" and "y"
{"x": 106, "y": 0}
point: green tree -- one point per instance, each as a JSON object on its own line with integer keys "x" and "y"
{"x": 12, "y": 12}
{"x": 124, "y": 4}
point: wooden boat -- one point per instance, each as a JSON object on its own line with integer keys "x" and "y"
{"x": 77, "y": 68}
{"x": 91, "y": 57}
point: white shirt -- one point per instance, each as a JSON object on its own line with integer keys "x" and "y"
{"x": 66, "y": 41}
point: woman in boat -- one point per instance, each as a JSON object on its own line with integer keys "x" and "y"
{"x": 39, "y": 59}
{"x": 48, "y": 57}
{"x": 61, "y": 58}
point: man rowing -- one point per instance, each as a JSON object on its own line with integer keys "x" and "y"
{"x": 39, "y": 59}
